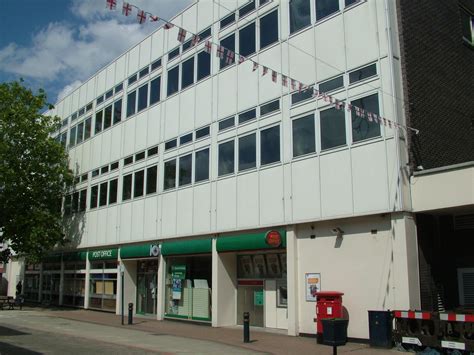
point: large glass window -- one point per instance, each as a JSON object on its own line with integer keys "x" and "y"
{"x": 185, "y": 169}
{"x": 80, "y": 132}
{"x": 226, "y": 123}
{"x": 82, "y": 200}
{"x": 103, "y": 286}
{"x": 300, "y": 14}
{"x": 203, "y": 65}
{"x": 103, "y": 194}
{"x": 94, "y": 195}
{"x": 87, "y": 128}
{"x": 113, "y": 185}
{"x": 202, "y": 132}
{"x": 269, "y": 29}
{"x": 173, "y": 80}
{"x": 227, "y": 20}
{"x": 269, "y": 107}
{"x": 98, "y": 122}
{"x": 131, "y": 103}
{"x": 138, "y": 183}
{"x": 229, "y": 44}
{"x": 332, "y": 84}
{"x": 304, "y": 139}
{"x": 325, "y": 8}
{"x": 226, "y": 158}
{"x": 127, "y": 187}
{"x": 362, "y": 128}
{"x": 201, "y": 171}
{"x": 467, "y": 27}
{"x": 362, "y": 73}
{"x": 117, "y": 111}
{"x": 108, "y": 117}
{"x": 333, "y": 128}
{"x": 244, "y": 10}
{"x": 187, "y": 73}
{"x": 151, "y": 179}
{"x": 270, "y": 145}
{"x": 247, "y": 40}
{"x": 247, "y": 115}
{"x": 72, "y": 137}
{"x": 170, "y": 175}
{"x": 155, "y": 85}
{"x": 142, "y": 97}
{"x": 247, "y": 152}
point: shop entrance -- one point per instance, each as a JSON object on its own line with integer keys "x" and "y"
{"x": 250, "y": 298}
{"x": 147, "y": 286}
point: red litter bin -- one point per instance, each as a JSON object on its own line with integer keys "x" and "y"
{"x": 328, "y": 305}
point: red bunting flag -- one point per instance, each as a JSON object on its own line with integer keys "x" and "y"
{"x": 154, "y": 18}
{"x": 315, "y": 93}
{"x": 255, "y": 66}
{"x": 181, "y": 35}
{"x": 241, "y": 59}
{"x": 168, "y": 25}
{"x": 274, "y": 76}
{"x": 141, "y": 17}
{"x": 349, "y": 107}
{"x": 389, "y": 123}
{"x": 265, "y": 70}
{"x": 220, "y": 52}
{"x": 208, "y": 47}
{"x": 338, "y": 105}
{"x": 293, "y": 84}
{"x": 370, "y": 117}
{"x": 284, "y": 80}
{"x": 126, "y": 9}
{"x": 111, "y": 4}
{"x": 195, "y": 40}
{"x": 230, "y": 57}
{"x": 327, "y": 98}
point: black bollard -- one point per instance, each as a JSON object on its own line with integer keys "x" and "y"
{"x": 246, "y": 327}
{"x": 130, "y": 313}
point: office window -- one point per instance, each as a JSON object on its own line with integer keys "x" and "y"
{"x": 139, "y": 156}
{"x": 82, "y": 200}
{"x": 270, "y": 145}
{"x": 151, "y": 179}
{"x": 229, "y": 44}
{"x": 169, "y": 181}
{"x": 186, "y": 139}
{"x": 82, "y": 110}
{"x": 156, "y": 64}
{"x": 131, "y": 103}
{"x": 187, "y": 73}
{"x": 325, "y": 8}
{"x": 95, "y": 173}
{"x": 142, "y": 97}
{"x": 109, "y": 94}
{"x": 226, "y": 158}
{"x": 118, "y": 88}
{"x": 247, "y": 8}
{"x": 227, "y": 20}
{"x": 113, "y": 186}
{"x": 171, "y": 144}
{"x": 300, "y": 14}
{"x": 302, "y": 95}
{"x": 247, "y": 40}
{"x": 247, "y": 152}
{"x": 127, "y": 187}
{"x": 103, "y": 194}
{"x": 331, "y": 84}
{"x": 173, "y": 54}
{"x": 247, "y": 115}
{"x": 75, "y": 202}
{"x": 262, "y": 2}
{"x": 80, "y": 133}
{"x": 205, "y": 33}
{"x": 203, "y": 65}
{"x": 304, "y": 138}
{"x": 361, "y": 127}
{"x": 84, "y": 177}
{"x": 155, "y": 87}
{"x": 333, "y": 128}
{"x": 270, "y": 107}
{"x": 67, "y": 205}
{"x": 201, "y": 164}
{"x": 99, "y": 100}
{"x": 128, "y": 160}
{"x": 117, "y": 111}
{"x": 226, "y": 123}
{"x": 202, "y": 132}
{"x": 152, "y": 151}
{"x": 114, "y": 166}
{"x": 185, "y": 169}
{"x": 350, "y": 2}
{"x": 138, "y": 183}
{"x": 87, "y": 127}
{"x": 98, "y": 122}
{"x": 187, "y": 45}
{"x": 173, "y": 80}
{"x": 108, "y": 117}
{"x": 104, "y": 169}
{"x": 362, "y": 73}
{"x": 132, "y": 79}
{"x": 143, "y": 72}
{"x": 72, "y": 137}
{"x": 89, "y": 107}
{"x": 64, "y": 139}
{"x": 269, "y": 29}
{"x": 94, "y": 195}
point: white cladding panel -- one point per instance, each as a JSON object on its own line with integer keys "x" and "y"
{"x": 185, "y": 212}
{"x": 202, "y": 208}
{"x": 141, "y": 131}
{"x": 153, "y": 126}
{"x": 168, "y": 214}
{"x": 125, "y": 228}
{"x": 171, "y": 119}
{"x": 110, "y": 76}
{"x": 151, "y": 216}
{"x": 187, "y": 110}
{"x": 305, "y": 185}
{"x": 138, "y": 218}
{"x": 120, "y": 72}
{"x": 226, "y": 204}
{"x": 111, "y": 236}
{"x": 227, "y": 92}
{"x": 247, "y": 200}
{"x": 157, "y": 45}
{"x": 133, "y": 60}
{"x": 329, "y": 52}
{"x": 203, "y": 109}
{"x": 145, "y": 52}
{"x": 100, "y": 82}
{"x": 271, "y": 196}
{"x": 90, "y": 90}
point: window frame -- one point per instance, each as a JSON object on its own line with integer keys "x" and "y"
{"x": 219, "y": 174}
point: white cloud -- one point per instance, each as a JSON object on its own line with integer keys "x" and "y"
{"x": 68, "y": 89}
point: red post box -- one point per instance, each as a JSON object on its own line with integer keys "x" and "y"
{"x": 328, "y": 305}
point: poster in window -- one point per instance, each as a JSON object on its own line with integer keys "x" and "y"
{"x": 259, "y": 265}
{"x": 273, "y": 265}
{"x": 283, "y": 264}
{"x": 176, "y": 289}
{"x": 313, "y": 285}
{"x": 246, "y": 266}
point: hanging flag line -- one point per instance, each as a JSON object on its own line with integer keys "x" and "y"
{"x": 229, "y": 56}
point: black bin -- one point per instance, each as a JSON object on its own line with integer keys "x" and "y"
{"x": 335, "y": 331}
{"x": 380, "y": 329}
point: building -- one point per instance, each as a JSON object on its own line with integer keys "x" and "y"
{"x": 217, "y": 191}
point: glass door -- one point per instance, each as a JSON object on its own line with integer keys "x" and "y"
{"x": 250, "y": 299}
{"x": 146, "y": 288}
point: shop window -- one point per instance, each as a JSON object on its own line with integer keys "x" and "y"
{"x": 269, "y": 29}
{"x": 362, "y": 128}
{"x": 300, "y": 14}
{"x": 103, "y": 194}
{"x": 118, "y": 88}
{"x": 173, "y": 81}
{"x": 202, "y": 132}
{"x": 72, "y": 137}
{"x": 127, "y": 187}
{"x": 186, "y": 139}
{"x": 80, "y": 133}
{"x": 226, "y": 158}
{"x": 229, "y": 44}
{"x": 138, "y": 183}
{"x": 103, "y": 287}
{"x": 113, "y": 187}
{"x": 152, "y": 151}
{"x": 270, "y": 145}
{"x": 331, "y": 84}
{"x": 247, "y": 8}
{"x": 362, "y": 73}
{"x": 131, "y": 103}
{"x": 171, "y": 144}
{"x": 269, "y": 108}
{"x": 247, "y": 152}
{"x": 169, "y": 181}
{"x": 142, "y": 97}
{"x": 227, "y": 20}
{"x": 173, "y": 54}
{"x": 261, "y": 266}
{"x": 108, "y": 117}
{"x": 143, "y": 72}
{"x": 187, "y": 73}
{"x": 155, "y": 87}
{"x": 87, "y": 128}
{"x": 333, "y": 128}
{"x": 201, "y": 170}
{"x": 156, "y": 64}
{"x": 325, "y": 8}
{"x": 304, "y": 138}
{"x": 247, "y": 40}
{"x": 247, "y": 115}
{"x": 151, "y": 179}
{"x": 203, "y": 65}
{"x": 226, "y": 123}
{"x": 185, "y": 169}
{"x": 98, "y": 122}
{"x": 117, "y": 111}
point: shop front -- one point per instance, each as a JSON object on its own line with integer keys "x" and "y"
{"x": 103, "y": 279}
{"x": 188, "y": 279}
{"x": 74, "y": 277}
{"x": 31, "y": 285}
{"x": 51, "y": 280}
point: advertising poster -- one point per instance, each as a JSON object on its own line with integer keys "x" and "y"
{"x": 273, "y": 265}
{"x": 313, "y": 285}
{"x": 259, "y": 264}
{"x": 176, "y": 289}
{"x": 247, "y": 267}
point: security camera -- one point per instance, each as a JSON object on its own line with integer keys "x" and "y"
{"x": 338, "y": 231}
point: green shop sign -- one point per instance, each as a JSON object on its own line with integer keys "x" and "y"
{"x": 140, "y": 251}
{"x": 178, "y": 272}
{"x": 103, "y": 254}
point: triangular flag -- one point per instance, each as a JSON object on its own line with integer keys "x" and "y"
{"x": 255, "y": 66}
{"x": 284, "y": 80}
{"x": 274, "y": 76}
{"x": 168, "y": 25}
{"x": 265, "y": 70}
{"x": 153, "y": 18}
{"x": 241, "y": 59}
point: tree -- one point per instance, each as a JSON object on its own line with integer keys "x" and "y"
{"x": 34, "y": 174}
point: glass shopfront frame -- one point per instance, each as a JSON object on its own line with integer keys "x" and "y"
{"x": 31, "y": 285}
{"x": 74, "y": 283}
{"x": 147, "y": 286}
{"x": 50, "y": 283}
{"x": 103, "y": 285}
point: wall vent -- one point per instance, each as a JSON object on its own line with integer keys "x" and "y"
{"x": 462, "y": 222}
{"x": 466, "y": 286}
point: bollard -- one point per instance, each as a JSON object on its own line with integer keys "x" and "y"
{"x": 246, "y": 327}
{"x": 130, "y": 313}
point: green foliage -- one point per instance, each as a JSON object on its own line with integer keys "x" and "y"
{"x": 34, "y": 174}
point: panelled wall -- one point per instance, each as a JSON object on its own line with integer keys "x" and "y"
{"x": 304, "y": 180}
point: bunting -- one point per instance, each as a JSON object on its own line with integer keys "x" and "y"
{"x": 255, "y": 66}
{"x": 274, "y": 76}
{"x": 195, "y": 40}
{"x": 230, "y": 57}
{"x": 220, "y": 52}
{"x": 168, "y": 25}
{"x": 141, "y": 17}
{"x": 181, "y": 35}
{"x": 111, "y": 4}
{"x": 265, "y": 70}
{"x": 153, "y": 18}
{"x": 126, "y": 9}
{"x": 208, "y": 47}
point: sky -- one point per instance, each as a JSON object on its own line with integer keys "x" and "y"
{"x": 58, "y": 44}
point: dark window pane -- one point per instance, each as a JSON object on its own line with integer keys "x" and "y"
{"x": 247, "y": 8}
{"x": 201, "y": 165}
{"x": 151, "y": 179}
{"x": 332, "y": 84}
{"x": 362, "y": 73}
{"x": 128, "y": 160}
{"x": 107, "y": 116}
{"x": 99, "y": 100}
{"x": 139, "y": 156}
{"x": 300, "y": 14}
{"x": 247, "y": 40}
{"x": 187, "y": 73}
{"x": 132, "y": 79}
{"x": 270, "y": 145}
{"x": 89, "y": 107}
{"x": 142, "y": 97}
{"x": 80, "y": 133}
{"x": 131, "y": 103}
{"x": 205, "y": 33}
{"x": 156, "y": 64}
{"x": 109, "y": 94}
{"x": 203, "y": 132}
{"x": 127, "y": 187}
{"x": 227, "y": 20}
{"x": 173, "y": 54}
{"x": 303, "y": 95}
{"x": 304, "y": 141}
{"x": 350, "y": 2}
{"x": 98, "y": 122}
{"x": 75, "y": 202}
{"x": 361, "y": 127}
{"x": 64, "y": 139}
{"x": 173, "y": 80}
{"x": 185, "y": 169}
{"x": 247, "y": 152}
{"x": 203, "y": 65}
{"x": 103, "y": 194}
{"x": 187, "y": 45}
{"x": 247, "y": 116}
{"x": 138, "y": 183}
{"x": 87, "y": 128}
{"x": 155, "y": 86}
{"x": 269, "y": 29}
{"x": 68, "y": 205}
{"x": 171, "y": 144}
{"x": 169, "y": 181}
{"x": 104, "y": 169}
{"x": 74, "y": 116}
{"x": 95, "y": 172}
{"x": 117, "y": 111}
{"x": 143, "y": 72}
{"x": 72, "y": 137}
{"x": 325, "y": 8}
{"x": 83, "y": 200}
{"x": 226, "y": 158}
{"x": 333, "y": 128}
{"x": 114, "y": 166}
{"x": 113, "y": 185}
{"x": 229, "y": 44}
{"x": 118, "y": 88}
{"x": 227, "y": 123}
{"x": 467, "y": 25}
{"x": 262, "y": 2}
{"x": 84, "y": 177}
{"x": 82, "y": 111}
{"x": 186, "y": 139}
{"x": 152, "y": 151}
{"x": 270, "y": 107}
{"x": 94, "y": 195}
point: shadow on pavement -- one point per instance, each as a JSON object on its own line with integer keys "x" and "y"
{"x": 9, "y": 332}
{"x": 8, "y": 349}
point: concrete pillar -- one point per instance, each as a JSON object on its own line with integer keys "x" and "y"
{"x": 292, "y": 280}
{"x": 215, "y": 285}
{"x": 161, "y": 288}
{"x": 130, "y": 284}
{"x": 87, "y": 283}
{"x": 224, "y": 289}
{"x": 118, "y": 292}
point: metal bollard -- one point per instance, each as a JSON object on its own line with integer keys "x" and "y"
{"x": 246, "y": 327}
{"x": 130, "y": 313}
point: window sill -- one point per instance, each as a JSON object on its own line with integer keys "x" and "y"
{"x": 362, "y": 142}
{"x": 301, "y": 30}
{"x": 328, "y": 17}
{"x": 351, "y": 6}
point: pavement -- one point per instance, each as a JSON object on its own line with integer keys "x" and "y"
{"x": 91, "y": 332}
